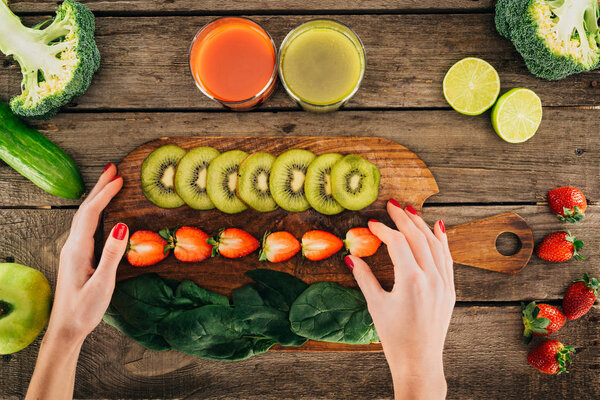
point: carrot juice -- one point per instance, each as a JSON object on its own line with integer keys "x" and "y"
{"x": 233, "y": 61}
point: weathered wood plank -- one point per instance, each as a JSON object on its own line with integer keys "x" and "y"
{"x": 470, "y": 163}
{"x": 235, "y": 6}
{"x": 145, "y": 62}
{"x": 111, "y": 366}
{"x": 484, "y": 359}
{"x": 34, "y": 237}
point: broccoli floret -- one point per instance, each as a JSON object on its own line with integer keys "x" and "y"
{"x": 57, "y": 57}
{"x": 556, "y": 38}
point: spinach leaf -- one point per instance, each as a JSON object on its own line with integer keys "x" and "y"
{"x": 188, "y": 291}
{"x": 149, "y": 340}
{"x": 261, "y": 318}
{"x": 330, "y": 312}
{"x": 213, "y": 332}
{"x": 279, "y": 289}
{"x": 143, "y": 301}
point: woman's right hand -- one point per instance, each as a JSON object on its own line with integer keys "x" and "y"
{"x": 413, "y": 318}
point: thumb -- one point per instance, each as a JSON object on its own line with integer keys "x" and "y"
{"x": 115, "y": 247}
{"x": 367, "y": 282}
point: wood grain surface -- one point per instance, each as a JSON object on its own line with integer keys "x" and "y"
{"x": 145, "y": 62}
{"x": 243, "y": 6}
{"x": 470, "y": 163}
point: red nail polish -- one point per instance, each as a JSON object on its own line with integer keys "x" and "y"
{"x": 115, "y": 178}
{"x": 119, "y": 231}
{"x": 107, "y": 167}
{"x": 373, "y": 220}
{"x": 395, "y": 203}
{"x": 349, "y": 262}
{"x": 442, "y": 226}
{"x": 411, "y": 210}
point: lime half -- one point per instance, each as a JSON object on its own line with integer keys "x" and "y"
{"x": 517, "y": 115}
{"x": 471, "y": 86}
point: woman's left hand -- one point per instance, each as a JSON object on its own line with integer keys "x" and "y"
{"x": 83, "y": 292}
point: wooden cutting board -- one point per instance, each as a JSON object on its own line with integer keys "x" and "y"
{"x": 404, "y": 177}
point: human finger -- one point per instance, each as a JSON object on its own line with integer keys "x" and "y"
{"x": 367, "y": 282}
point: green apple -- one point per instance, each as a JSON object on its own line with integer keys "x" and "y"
{"x": 25, "y": 301}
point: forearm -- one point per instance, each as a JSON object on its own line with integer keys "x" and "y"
{"x": 54, "y": 374}
{"x": 419, "y": 381}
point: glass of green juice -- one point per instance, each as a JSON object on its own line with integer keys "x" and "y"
{"x": 321, "y": 64}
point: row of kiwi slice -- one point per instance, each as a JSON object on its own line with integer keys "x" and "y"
{"x": 232, "y": 181}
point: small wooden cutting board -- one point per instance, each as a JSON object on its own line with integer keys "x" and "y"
{"x": 404, "y": 177}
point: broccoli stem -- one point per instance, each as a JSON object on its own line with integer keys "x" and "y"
{"x": 29, "y": 47}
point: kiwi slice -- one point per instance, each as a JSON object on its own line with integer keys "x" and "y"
{"x": 190, "y": 178}
{"x": 253, "y": 182}
{"x": 221, "y": 181}
{"x": 318, "y": 184}
{"x": 158, "y": 175}
{"x": 355, "y": 182}
{"x": 287, "y": 179}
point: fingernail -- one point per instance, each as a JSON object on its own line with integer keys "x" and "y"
{"x": 120, "y": 231}
{"x": 442, "y": 226}
{"x": 115, "y": 178}
{"x": 349, "y": 262}
{"x": 373, "y": 220}
{"x": 411, "y": 210}
{"x": 107, "y": 167}
{"x": 395, "y": 203}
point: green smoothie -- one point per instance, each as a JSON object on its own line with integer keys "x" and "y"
{"x": 322, "y": 63}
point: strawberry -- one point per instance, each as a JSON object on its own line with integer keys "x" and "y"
{"x": 360, "y": 242}
{"x": 146, "y": 248}
{"x": 188, "y": 243}
{"x": 541, "y": 320}
{"x": 559, "y": 247}
{"x": 550, "y": 357}
{"x": 580, "y": 297}
{"x": 319, "y": 245}
{"x": 568, "y": 203}
{"x": 233, "y": 243}
{"x": 278, "y": 247}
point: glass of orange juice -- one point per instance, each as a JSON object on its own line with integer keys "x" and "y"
{"x": 234, "y": 62}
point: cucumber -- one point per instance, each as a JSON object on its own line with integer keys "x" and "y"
{"x": 38, "y": 159}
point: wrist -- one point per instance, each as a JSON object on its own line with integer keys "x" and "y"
{"x": 418, "y": 378}
{"x": 63, "y": 338}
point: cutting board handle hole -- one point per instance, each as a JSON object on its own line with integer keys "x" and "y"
{"x": 508, "y": 244}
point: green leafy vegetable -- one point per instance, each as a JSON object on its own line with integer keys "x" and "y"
{"x": 330, "y": 312}
{"x": 213, "y": 332}
{"x": 555, "y": 37}
{"x": 58, "y": 57}
{"x": 163, "y": 314}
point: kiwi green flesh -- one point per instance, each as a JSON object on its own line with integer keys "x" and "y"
{"x": 221, "y": 181}
{"x": 288, "y": 175}
{"x": 190, "y": 178}
{"x": 318, "y": 184}
{"x": 253, "y": 182}
{"x": 355, "y": 182}
{"x": 158, "y": 175}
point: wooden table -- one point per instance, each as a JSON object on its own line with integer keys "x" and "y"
{"x": 144, "y": 91}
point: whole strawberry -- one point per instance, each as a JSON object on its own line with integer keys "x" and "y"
{"x": 541, "y": 320}
{"x": 580, "y": 297}
{"x": 550, "y": 357}
{"x": 568, "y": 203}
{"x": 559, "y": 247}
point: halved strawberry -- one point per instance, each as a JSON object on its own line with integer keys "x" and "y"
{"x": 188, "y": 243}
{"x": 146, "y": 248}
{"x": 319, "y": 245}
{"x": 233, "y": 243}
{"x": 279, "y": 247}
{"x": 360, "y": 242}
